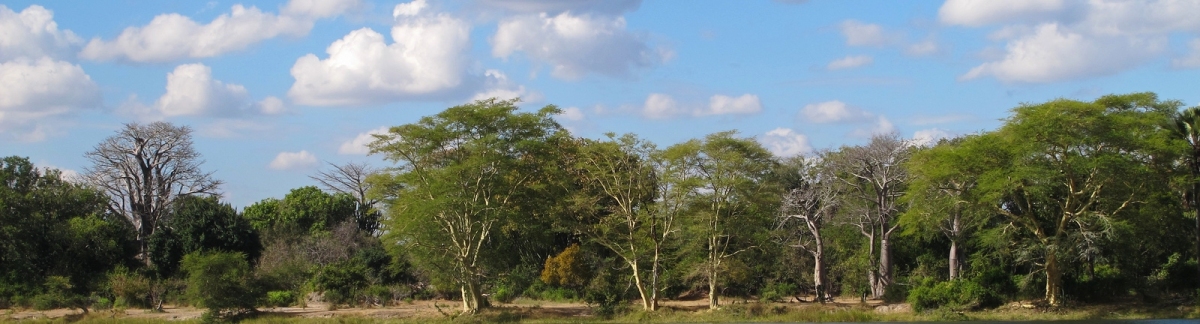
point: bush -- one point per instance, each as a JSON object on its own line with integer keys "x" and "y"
{"x": 566, "y": 269}
{"x": 607, "y": 292}
{"x": 280, "y": 298}
{"x": 777, "y": 292}
{"x": 129, "y": 289}
{"x": 221, "y": 282}
{"x": 340, "y": 282}
{"x": 956, "y": 294}
{"x": 57, "y": 294}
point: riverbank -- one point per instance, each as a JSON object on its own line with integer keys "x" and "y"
{"x": 672, "y": 311}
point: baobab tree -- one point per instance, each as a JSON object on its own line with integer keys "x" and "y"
{"x": 144, "y": 169}
{"x": 809, "y": 204}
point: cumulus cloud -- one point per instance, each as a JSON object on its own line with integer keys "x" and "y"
{"x": 293, "y": 161}
{"x": 863, "y": 34}
{"x": 170, "y": 37}
{"x": 983, "y": 12}
{"x": 663, "y": 106}
{"x": 834, "y": 111}
{"x": 726, "y": 105}
{"x": 660, "y": 106}
{"x": 850, "y": 62}
{"x": 1054, "y": 53}
{"x": 927, "y": 137}
{"x": 785, "y": 142}
{"x": 358, "y": 145}
{"x": 1192, "y": 59}
{"x": 572, "y": 114}
{"x": 272, "y": 106}
{"x": 881, "y": 126}
{"x": 1049, "y": 41}
{"x": 497, "y": 85}
{"x": 35, "y": 89}
{"x": 33, "y": 34}
{"x": 427, "y": 58}
{"x": 610, "y": 7}
{"x": 574, "y": 45}
{"x": 191, "y": 91}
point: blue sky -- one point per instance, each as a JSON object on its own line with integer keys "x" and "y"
{"x": 274, "y": 89}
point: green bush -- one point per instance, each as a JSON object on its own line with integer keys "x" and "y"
{"x": 340, "y": 282}
{"x": 777, "y": 292}
{"x": 221, "y": 282}
{"x": 956, "y": 294}
{"x": 280, "y": 298}
{"x": 128, "y": 288}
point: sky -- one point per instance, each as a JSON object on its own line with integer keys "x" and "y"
{"x": 274, "y": 91}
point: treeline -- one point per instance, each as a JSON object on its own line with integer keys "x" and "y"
{"x": 1067, "y": 202}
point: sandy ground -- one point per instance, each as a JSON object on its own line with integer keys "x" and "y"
{"x": 416, "y": 309}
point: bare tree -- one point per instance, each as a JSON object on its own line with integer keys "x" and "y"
{"x": 351, "y": 178}
{"x": 875, "y": 175}
{"x": 144, "y": 168}
{"x": 808, "y": 205}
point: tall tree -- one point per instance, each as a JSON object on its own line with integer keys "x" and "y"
{"x": 736, "y": 197}
{"x": 629, "y": 173}
{"x": 809, "y": 204}
{"x": 143, "y": 169}
{"x": 1187, "y": 128}
{"x": 460, "y": 174}
{"x": 874, "y": 176}
{"x": 1065, "y": 170}
{"x": 351, "y": 179}
{"x": 940, "y": 195}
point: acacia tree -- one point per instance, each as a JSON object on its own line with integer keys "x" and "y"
{"x": 874, "y": 176}
{"x": 144, "y": 169}
{"x": 644, "y": 202}
{"x": 735, "y": 197}
{"x": 811, "y": 201}
{"x": 1065, "y": 170}
{"x": 351, "y": 179}
{"x": 460, "y": 174}
{"x": 940, "y": 195}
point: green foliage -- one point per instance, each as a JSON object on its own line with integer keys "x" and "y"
{"x": 955, "y": 294}
{"x": 342, "y": 281}
{"x": 607, "y": 293}
{"x": 221, "y": 282}
{"x": 303, "y": 210}
{"x": 280, "y": 298}
{"x": 778, "y": 292}
{"x": 201, "y": 224}
{"x": 129, "y": 288}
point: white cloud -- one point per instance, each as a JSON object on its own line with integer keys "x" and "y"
{"x": 726, "y": 105}
{"x": 1054, "y": 53}
{"x": 834, "y": 111}
{"x": 558, "y": 6}
{"x": 881, "y": 126}
{"x": 35, "y": 89}
{"x": 863, "y": 34}
{"x": 497, "y": 85}
{"x": 572, "y": 114}
{"x": 983, "y": 12}
{"x": 293, "y": 161}
{"x": 358, "y": 145}
{"x": 575, "y": 45}
{"x": 922, "y": 48}
{"x": 660, "y": 106}
{"x": 191, "y": 91}
{"x": 927, "y": 137}
{"x": 1192, "y": 60}
{"x": 170, "y": 37}
{"x": 785, "y": 142}
{"x": 33, "y": 34}
{"x": 850, "y": 62}
{"x": 271, "y": 106}
{"x": 409, "y": 9}
{"x": 426, "y": 59}
{"x": 232, "y": 128}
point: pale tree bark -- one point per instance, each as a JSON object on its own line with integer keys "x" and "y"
{"x": 143, "y": 169}
{"x": 351, "y": 178}
{"x": 811, "y": 204}
{"x": 875, "y": 175}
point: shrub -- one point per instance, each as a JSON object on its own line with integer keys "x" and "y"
{"x": 566, "y": 269}
{"x": 128, "y": 288}
{"x": 776, "y": 292}
{"x": 57, "y": 294}
{"x": 956, "y": 294}
{"x": 221, "y": 282}
{"x": 341, "y": 281}
{"x": 280, "y": 298}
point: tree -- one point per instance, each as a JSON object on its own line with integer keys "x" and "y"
{"x": 143, "y": 169}
{"x": 941, "y": 192}
{"x": 1187, "y": 128}
{"x": 461, "y": 174}
{"x": 874, "y": 176}
{"x": 201, "y": 224}
{"x": 630, "y": 174}
{"x": 303, "y": 210}
{"x": 735, "y": 198}
{"x": 1064, "y": 172}
{"x": 351, "y": 179}
{"x": 809, "y": 204}
{"x": 220, "y": 281}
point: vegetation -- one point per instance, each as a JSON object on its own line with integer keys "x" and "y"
{"x": 1068, "y": 203}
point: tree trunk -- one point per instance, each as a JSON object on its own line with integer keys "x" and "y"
{"x": 819, "y": 275}
{"x": 471, "y": 297}
{"x": 637, "y": 282}
{"x": 654, "y": 281}
{"x": 953, "y": 259}
{"x": 884, "y": 279}
{"x": 1053, "y": 280}
{"x": 712, "y": 291}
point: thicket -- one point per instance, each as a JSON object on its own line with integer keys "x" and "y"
{"x": 1067, "y": 202}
